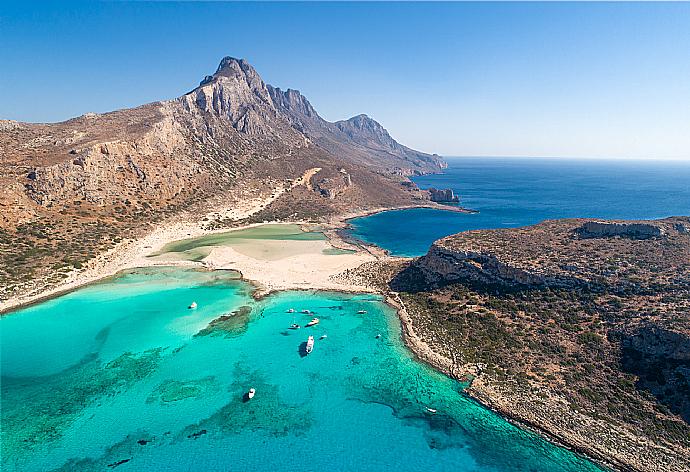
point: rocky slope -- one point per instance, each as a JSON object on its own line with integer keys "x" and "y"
{"x": 71, "y": 190}
{"x": 360, "y": 138}
{"x": 580, "y": 329}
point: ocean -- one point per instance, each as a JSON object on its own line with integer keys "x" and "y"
{"x": 511, "y": 192}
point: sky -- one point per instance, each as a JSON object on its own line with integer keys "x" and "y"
{"x": 598, "y": 80}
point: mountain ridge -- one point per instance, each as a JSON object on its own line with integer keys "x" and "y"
{"x": 85, "y": 183}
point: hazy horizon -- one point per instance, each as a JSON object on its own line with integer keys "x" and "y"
{"x": 457, "y": 79}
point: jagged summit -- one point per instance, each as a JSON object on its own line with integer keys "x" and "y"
{"x": 360, "y": 138}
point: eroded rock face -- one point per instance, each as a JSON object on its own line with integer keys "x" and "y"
{"x": 607, "y": 229}
{"x": 443, "y": 266}
{"x": 660, "y": 357}
{"x": 443, "y": 195}
{"x": 331, "y": 187}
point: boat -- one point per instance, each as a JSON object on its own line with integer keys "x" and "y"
{"x": 378, "y": 336}
{"x": 431, "y": 410}
{"x": 251, "y": 393}
{"x": 310, "y": 344}
{"x": 291, "y": 310}
{"x": 323, "y": 336}
{"x": 362, "y": 312}
{"x": 192, "y": 306}
{"x": 294, "y": 326}
{"x": 314, "y": 321}
{"x": 306, "y": 312}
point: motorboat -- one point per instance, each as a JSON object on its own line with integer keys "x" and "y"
{"x": 192, "y": 306}
{"x": 294, "y": 326}
{"x": 251, "y": 393}
{"x": 362, "y": 312}
{"x": 323, "y": 336}
{"x": 431, "y": 410}
{"x": 314, "y": 321}
{"x": 310, "y": 344}
{"x": 378, "y": 336}
{"x": 306, "y": 312}
{"x": 291, "y": 310}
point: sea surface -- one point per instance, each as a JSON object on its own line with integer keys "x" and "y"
{"x": 121, "y": 375}
{"x": 511, "y": 192}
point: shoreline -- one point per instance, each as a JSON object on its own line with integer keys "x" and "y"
{"x": 423, "y": 352}
{"x": 133, "y": 253}
{"x": 136, "y": 252}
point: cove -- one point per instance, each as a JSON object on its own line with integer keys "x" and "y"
{"x": 122, "y": 375}
{"x": 511, "y": 192}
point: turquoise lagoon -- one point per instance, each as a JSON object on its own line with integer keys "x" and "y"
{"x": 121, "y": 375}
{"x": 510, "y": 192}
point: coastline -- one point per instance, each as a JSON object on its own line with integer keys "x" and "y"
{"x": 134, "y": 254}
{"x": 423, "y": 352}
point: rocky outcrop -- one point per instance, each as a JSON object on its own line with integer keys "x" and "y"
{"x": 442, "y": 266}
{"x": 443, "y": 196}
{"x": 660, "y": 357}
{"x": 331, "y": 187}
{"x": 608, "y": 229}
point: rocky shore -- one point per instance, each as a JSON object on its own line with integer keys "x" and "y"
{"x": 545, "y": 328}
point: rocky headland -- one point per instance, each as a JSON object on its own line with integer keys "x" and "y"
{"x": 576, "y": 328}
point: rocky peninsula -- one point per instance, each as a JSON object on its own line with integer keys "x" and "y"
{"x": 576, "y": 328}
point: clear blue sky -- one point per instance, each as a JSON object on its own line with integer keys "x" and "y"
{"x": 537, "y": 79}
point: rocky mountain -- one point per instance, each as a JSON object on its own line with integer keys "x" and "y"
{"x": 77, "y": 187}
{"x": 360, "y": 139}
{"x": 578, "y": 328}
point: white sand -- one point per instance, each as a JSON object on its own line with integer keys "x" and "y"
{"x": 307, "y": 267}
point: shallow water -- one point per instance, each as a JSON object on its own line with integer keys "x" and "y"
{"x": 122, "y": 374}
{"x": 519, "y": 192}
{"x": 264, "y": 242}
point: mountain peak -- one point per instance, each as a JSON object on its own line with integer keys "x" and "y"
{"x": 234, "y": 68}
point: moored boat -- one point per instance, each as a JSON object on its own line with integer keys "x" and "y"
{"x": 362, "y": 312}
{"x": 314, "y": 321}
{"x": 310, "y": 344}
{"x": 251, "y": 393}
{"x": 192, "y": 306}
{"x": 294, "y": 326}
{"x": 291, "y": 310}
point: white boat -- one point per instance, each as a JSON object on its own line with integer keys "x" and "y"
{"x": 378, "y": 336}
{"x": 314, "y": 321}
{"x": 310, "y": 344}
{"x": 291, "y": 310}
{"x": 362, "y": 312}
{"x": 306, "y": 312}
{"x": 251, "y": 393}
{"x": 192, "y": 306}
{"x": 294, "y": 326}
{"x": 323, "y": 336}
{"x": 431, "y": 410}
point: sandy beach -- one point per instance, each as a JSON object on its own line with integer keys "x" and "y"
{"x": 305, "y": 264}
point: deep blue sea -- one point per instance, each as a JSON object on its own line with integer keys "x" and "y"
{"x": 511, "y": 192}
